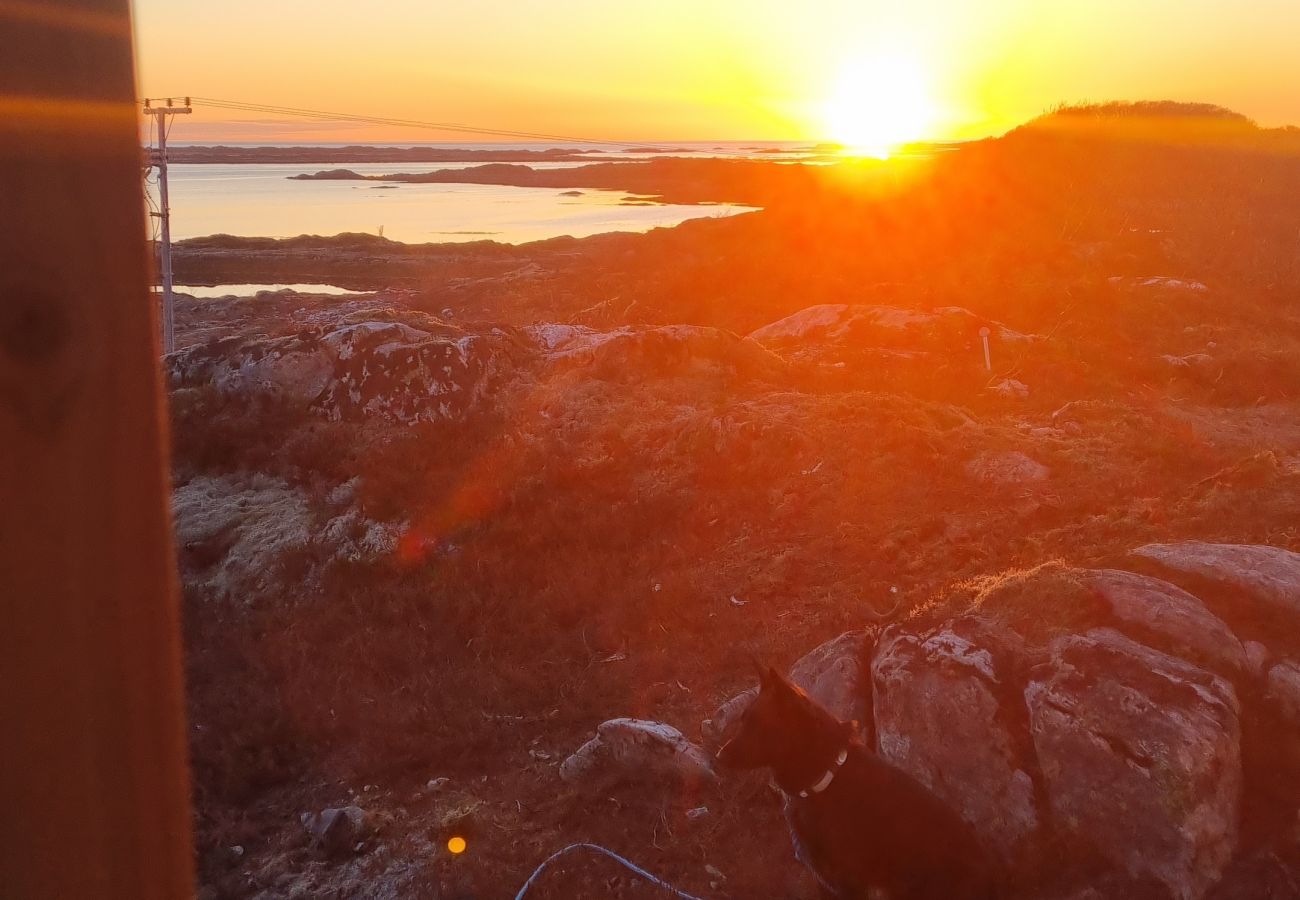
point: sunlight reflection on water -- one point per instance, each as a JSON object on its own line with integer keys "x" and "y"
{"x": 259, "y": 200}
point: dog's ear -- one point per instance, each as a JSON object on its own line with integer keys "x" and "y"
{"x": 778, "y": 686}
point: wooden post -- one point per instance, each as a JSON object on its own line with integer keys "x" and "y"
{"x": 93, "y": 783}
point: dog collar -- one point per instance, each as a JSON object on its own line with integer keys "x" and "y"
{"x": 825, "y": 781}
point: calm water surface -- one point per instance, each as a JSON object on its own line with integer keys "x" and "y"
{"x": 259, "y": 200}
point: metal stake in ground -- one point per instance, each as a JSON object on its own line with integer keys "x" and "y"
{"x": 988, "y": 360}
{"x": 164, "y": 215}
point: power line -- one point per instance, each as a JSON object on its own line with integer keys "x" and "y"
{"x": 242, "y": 106}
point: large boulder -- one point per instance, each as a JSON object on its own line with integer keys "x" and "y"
{"x": 358, "y": 370}
{"x": 1140, "y": 757}
{"x": 297, "y": 367}
{"x": 939, "y": 716}
{"x": 635, "y": 750}
{"x": 1271, "y": 575}
{"x": 830, "y": 674}
{"x": 1179, "y": 622}
{"x": 392, "y": 371}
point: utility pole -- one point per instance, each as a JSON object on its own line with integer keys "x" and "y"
{"x": 164, "y": 215}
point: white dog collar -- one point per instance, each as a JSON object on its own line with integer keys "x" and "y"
{"x": 825, "y": 781}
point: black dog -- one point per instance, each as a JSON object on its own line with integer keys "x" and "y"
{"x": 858, "y": 824}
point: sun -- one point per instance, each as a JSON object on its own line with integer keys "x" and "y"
{"x": 879, "y": 103}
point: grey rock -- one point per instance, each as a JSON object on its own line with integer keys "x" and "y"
{"x": 1182, "y": 622}
{"x": 336, "y": 831}
{"x": 829, "y": 673}
{"x": 360, "y": 370}
{"x": 635, "y": 750}
{"x": 938, "y": 717}
{"x": 1270, "y": 575}
{"x": 717, "y": 727}
{"x": 1140, "y": 756}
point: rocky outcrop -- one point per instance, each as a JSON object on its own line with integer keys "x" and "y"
{"x": 939, "y": 717}
{"x": 1140, "y": 757}
{"x": 403, "y": 375}
{"x": 297, "y": 366}
{"x": 831, "y": 322}
{"x": 634, "y": 750}
{"x": 1089, "y": 723}
{"x": 1269, "y": 575}
{"x": 889, "y": 338}
{"x": 360, "y": 370}
{"x": 1179, "y": 621}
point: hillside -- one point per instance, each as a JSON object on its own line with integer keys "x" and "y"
{"x": 432, "y": 537}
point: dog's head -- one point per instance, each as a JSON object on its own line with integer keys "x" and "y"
{"x": 774, "y": 726}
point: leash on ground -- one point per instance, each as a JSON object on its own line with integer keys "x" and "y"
{"x": 653, "y": 879}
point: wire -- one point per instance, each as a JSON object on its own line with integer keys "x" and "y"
{"x": 152, "y": 207}
{"x": 653, "y": 879}
{"x": 242, "y": 106}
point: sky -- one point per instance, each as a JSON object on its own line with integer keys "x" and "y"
{"x": 710, "y": 69}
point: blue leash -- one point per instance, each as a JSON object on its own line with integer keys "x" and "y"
{"x": 612, "y": 855}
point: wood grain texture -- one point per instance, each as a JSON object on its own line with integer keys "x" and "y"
{"x": 93, "y": 778}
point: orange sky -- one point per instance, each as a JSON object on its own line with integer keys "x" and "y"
{"x": 711, "y": 69}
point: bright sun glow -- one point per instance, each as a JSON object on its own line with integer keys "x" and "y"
{"x": 879, "y": 103}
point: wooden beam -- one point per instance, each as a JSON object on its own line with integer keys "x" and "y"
{"x": 93, "y": 775}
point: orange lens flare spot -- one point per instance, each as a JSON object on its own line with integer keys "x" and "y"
{"x": 456, "y": 845}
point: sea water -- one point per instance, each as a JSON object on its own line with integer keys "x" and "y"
{"x": 261, "y": 200}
